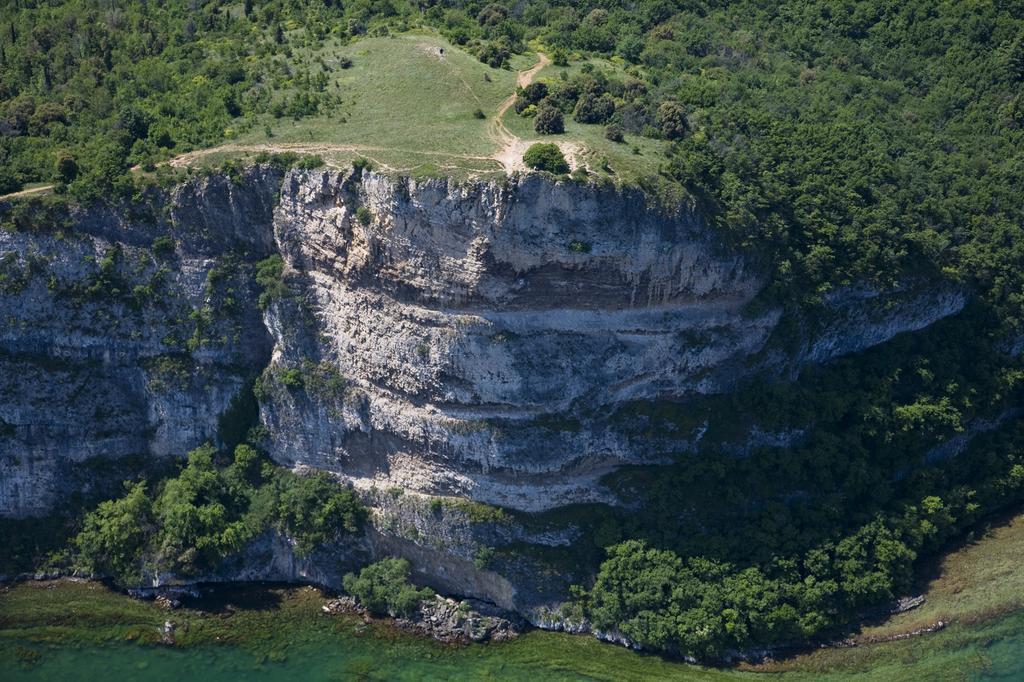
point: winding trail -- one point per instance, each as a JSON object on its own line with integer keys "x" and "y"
{"x": 510, "y": 146}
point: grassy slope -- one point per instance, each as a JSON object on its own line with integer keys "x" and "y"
{"x": 410, "y": 110}
{"x": 400, "y": 95}
{"x": 977, "y": 582}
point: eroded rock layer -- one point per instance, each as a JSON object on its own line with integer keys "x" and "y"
{"x": 437, "y": 344}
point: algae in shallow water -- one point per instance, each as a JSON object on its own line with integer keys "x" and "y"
{"x": 83, "y": 631}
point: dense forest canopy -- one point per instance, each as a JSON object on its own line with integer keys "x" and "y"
{"x": 843, "y": 141}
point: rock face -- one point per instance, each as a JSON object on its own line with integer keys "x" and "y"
{"x": 439, "y": 345}
{"x": 488, "y": 330}
{"x": 109, "y": 350}
{"x": 471, "y": 318}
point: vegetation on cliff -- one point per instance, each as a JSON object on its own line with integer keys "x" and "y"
{"x": 207, "y": 512}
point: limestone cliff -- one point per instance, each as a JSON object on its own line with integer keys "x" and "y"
{"x": 455, "y": 343}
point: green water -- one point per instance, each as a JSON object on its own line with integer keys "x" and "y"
{"x": 304, "y": 645}
{"x": 374, "y": 660}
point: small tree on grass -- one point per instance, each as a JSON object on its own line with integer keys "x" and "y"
{"x": 383, "y": 588}
{"x": 546, "y": 157}
{"x": 549, "y": 119}
{"x": 615, "y": 133}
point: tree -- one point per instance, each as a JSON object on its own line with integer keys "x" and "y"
{"x": 671, "y": 120}
{"x": 594, "y": 108}
{"x": 66, "y": 167}
{"x": 383, "y": 588}
{"x": 546, "y": 157}
{"x": 615, "y": 133}
{"x": 113, "y": 537}
{"x": 549, "y": 119}
{"x": 314, "y": 509}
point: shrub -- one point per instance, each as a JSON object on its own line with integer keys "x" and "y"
{"x": 494, "y": 55}
{"x": 364, "y": 215}
{"x": 615, "y": 133}
{"x": 314, "y": 509}
{"x": 383, "y": 588}
{"x": 549, "y": 119}
{"x": 671, "y": 120}
{"x": 113, "y": 537}
{"x": 546, "y": 157}
{"x": 531, "y": 94}
{"x": 198, "y": 516}
{"x": 66, "y": 168}
{"x": 270, "y": 277}
{"x": 361, "y": 164}
{"x": 163, "y": 246}
{"x": 310, "y": 162}
{"x": 593, "y": 108}
{"x": 290, "y": 377}
{"x": 479, "y": 113}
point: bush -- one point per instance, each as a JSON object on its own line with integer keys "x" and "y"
{"x": 361, "y": 164}
{"x": 549, "y": 119}
{"x": 383, "y": 588}
{"x": 198, "y": 514}
{"x": 364, "y": 215}
{"x": 113, "y": 537}
{"x": 163, "y": 247}
{"x": 531, "y": 94}
{"x": 594, "y": 108}
{"x": 479, "y": 113}
{"x": 209, "y": 512}
{"x": 546, "y": 157}
{"x": 270, "y": 277}
{"x": 672, "y": 121}
{"x": 310, "y": 162}
{"x": 615, "y": 133}
{"x": 494, "y": 55}
{"x": 66, "y": 168}
{"x": 314, "y": 509}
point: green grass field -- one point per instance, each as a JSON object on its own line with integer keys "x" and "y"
{"x": 405, "y": 100}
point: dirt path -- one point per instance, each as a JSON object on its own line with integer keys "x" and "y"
{"x": 511, "y": 147}
{"x": 26, "y": 192}
{"x": 277, "y": 148}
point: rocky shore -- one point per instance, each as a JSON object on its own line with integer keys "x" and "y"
{"x": 447, "y": 620}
